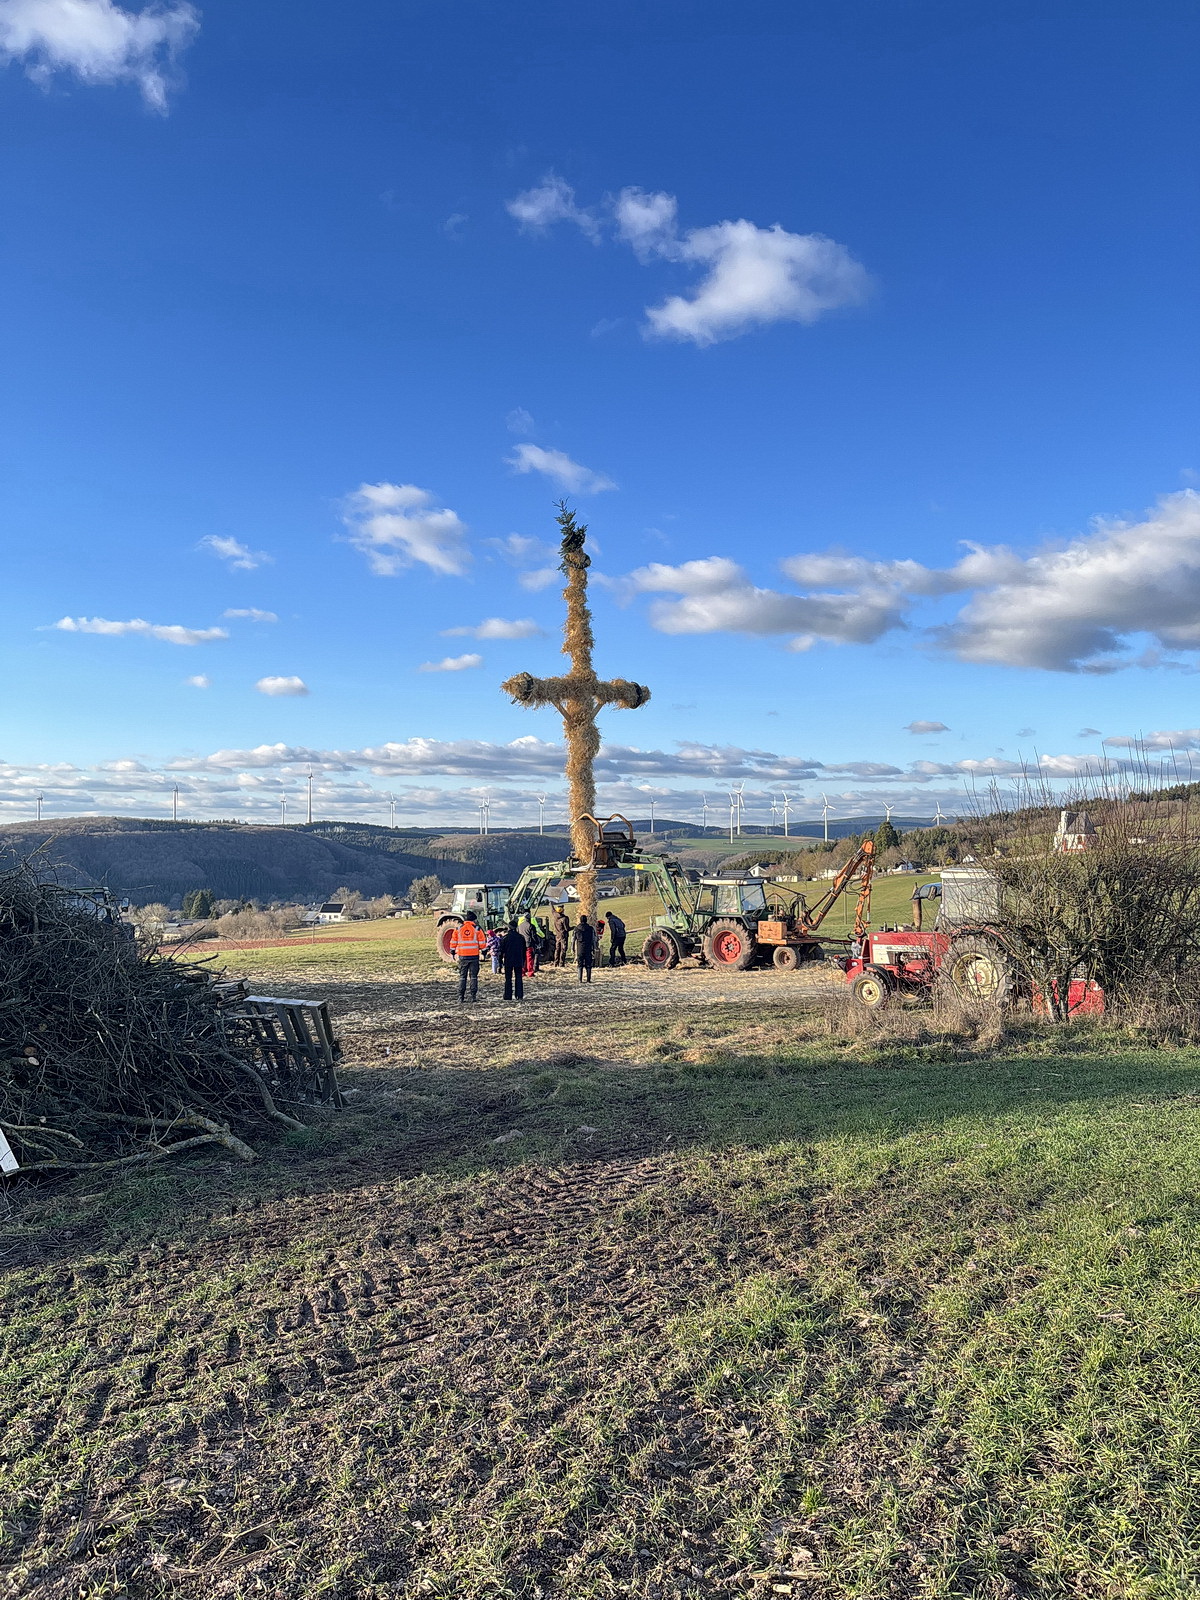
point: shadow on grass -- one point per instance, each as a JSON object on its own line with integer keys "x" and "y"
{"x": 454, "y": 1124}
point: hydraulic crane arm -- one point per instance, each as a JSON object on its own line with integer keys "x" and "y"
{"x": 862, "y": 863}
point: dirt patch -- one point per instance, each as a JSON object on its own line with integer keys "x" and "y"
{"x": 361, "y": 1388}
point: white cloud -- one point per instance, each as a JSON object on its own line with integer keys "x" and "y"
{"x": 550, "y": 201}
{"x": 497, "y": 628}
{"x": 718, "y": 597}
{"x": 752, "y": 275}
{"x": 926, "y": 727}
{"x": 251, "y": 614}
{"x": 239, "y": 556}
{"x": 757, "y": 276}
{"x": 169, "y": 633}
{"x": 395, "y": 525}
{"x": 1163, "y": 739}
{"x": 559, "y": 467}
{"x": 249, "y": 783}
{"x": 281, "y": 686}
{"x": 200, "y": 681}
{"x": 1073, "y": 609}
{"x": 451, "y": 664}
{"x": 519, "y": 420}
{"x": 648, "y": 222}
{"x": 1078, "y": 608}
{"x": 519, "y": 549}
{"x": 538, "y": 578}
{"x": 98, "y": 41}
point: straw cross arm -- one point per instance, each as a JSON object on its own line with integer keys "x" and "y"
{"x": 526, "y": 690}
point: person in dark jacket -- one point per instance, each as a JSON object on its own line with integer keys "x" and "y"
{"x": 560, "y": 922}
{"x": 512, "y": 959}
{"x": 616, "y": 940}
{"x": 584, "y": 940}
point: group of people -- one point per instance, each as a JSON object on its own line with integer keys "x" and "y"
{"x": 523, "y": 947}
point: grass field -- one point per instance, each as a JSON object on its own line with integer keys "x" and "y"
{"x": 383, "y": 946}
{"x": 669, "y": 1288}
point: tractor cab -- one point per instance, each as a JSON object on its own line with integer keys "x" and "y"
{"x": 487, "y": 902}
{"x": 732, "y": 897}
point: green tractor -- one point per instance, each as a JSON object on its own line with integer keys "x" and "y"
{"x": 733, "y": 923}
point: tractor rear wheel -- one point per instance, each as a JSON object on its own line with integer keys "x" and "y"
{"x": 660, "y": 951}
{"x": 873, "y": 991}
{"x": 441, "y": 937}
{"x": 786, "y": 958}
{"x": 978, "y": 968}
{"x": 729, "y": 945}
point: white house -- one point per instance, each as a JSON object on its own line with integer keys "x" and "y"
{"x": 333, "y": 911}
{"x": 1075, "y": 832}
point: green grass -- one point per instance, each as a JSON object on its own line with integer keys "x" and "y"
{"x": 744, "y": 1310}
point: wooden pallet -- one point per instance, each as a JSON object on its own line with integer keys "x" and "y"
{"x": 295, "y": 1047}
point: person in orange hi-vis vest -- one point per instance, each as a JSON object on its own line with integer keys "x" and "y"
{"x": 468, "y": 943}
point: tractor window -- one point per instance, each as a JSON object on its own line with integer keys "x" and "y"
{"x": 497, "y": 898}
{"x": 754, "y": 899}
{"x": 705, "y": 901}
{"x": 729, "y": 902}
{"x": 467, "y": 897}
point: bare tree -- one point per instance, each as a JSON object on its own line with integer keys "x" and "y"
{"x": 1123, "y": 911}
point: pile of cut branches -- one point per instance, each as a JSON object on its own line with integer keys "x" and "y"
{"x": 110, "y": 1054}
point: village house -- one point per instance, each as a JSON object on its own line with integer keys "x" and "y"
{"x": 1075, "y": 832}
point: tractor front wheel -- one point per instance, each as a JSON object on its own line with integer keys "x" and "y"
{"x": 729, "y": 945}
{"x": 660, "y": 952}
{"x": 443, "y": 935}
{"x": 786, "y": 958}
{"x": 873, "y": 991}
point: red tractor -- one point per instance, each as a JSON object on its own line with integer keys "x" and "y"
{"x": 964, "y": 953}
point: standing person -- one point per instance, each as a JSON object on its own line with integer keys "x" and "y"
{"x": 584, "y": 940}
{"x": 467, "y": 944}
{"x": 512, "y": 955}
{"x": 492, "y": 947}
{"x": 539, "y": 941}
{"x": 560, "y": 922}
{"x": 616, "y": 940}
{"x": 599, "y": 950}
{"x": 525, "y": 929}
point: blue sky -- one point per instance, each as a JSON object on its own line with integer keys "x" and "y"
{"x": 864, "y": 338}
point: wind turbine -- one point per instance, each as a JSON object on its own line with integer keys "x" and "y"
{"x": 174, "y": 805}
{"x": 40, "y": 798}
{"x": 652, "y": 805}
{"x": 485, "y": 808}
{"x": 704, "y": 813}
{"x": 826, "y": 808}
{"x": 733, "y": 806}
{"x": 787, "y": 810}
{"x": 283, "y": 810}
{"x": 741, "y": 804}
{"x": 774, "y": 813}
{"x": 541, "y": 800}
{"x": 391, "y": 810}
{"x": 939, "y": 815}
{"x": 310, "y": 776}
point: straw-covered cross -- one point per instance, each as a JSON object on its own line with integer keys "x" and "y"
{"x": 578, "y": 697}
